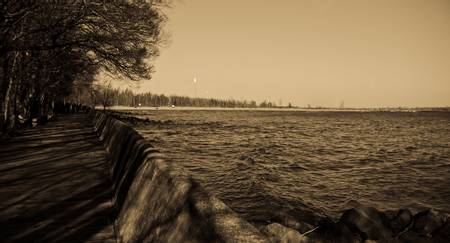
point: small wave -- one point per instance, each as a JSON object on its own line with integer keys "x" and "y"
{"x": 290, "y": 162}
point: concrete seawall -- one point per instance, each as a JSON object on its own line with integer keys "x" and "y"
{"x": 156, "y": 201}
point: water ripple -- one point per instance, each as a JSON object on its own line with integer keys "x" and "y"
{"x": 262, "y": 163}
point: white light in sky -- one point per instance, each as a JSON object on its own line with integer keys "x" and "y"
{"x": 195, "y": 80}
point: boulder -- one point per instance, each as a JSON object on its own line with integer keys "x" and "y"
{"x": 443, "y": 233}
{"x": 368, "y": 222}
{"x": 333, "y": 232}
{"x": 427, "y": 222}
{"x": 291, "y": 222}
{"x": 390, "y": 215}
{"x": 284, "y": 234}
{"x": 401, "y": 221}
{"x": 413, "y": 237}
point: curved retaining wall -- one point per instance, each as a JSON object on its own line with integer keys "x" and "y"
{"x": 156, "y": 201}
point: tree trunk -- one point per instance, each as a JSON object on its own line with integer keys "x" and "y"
{"x": 6, "y": 101}
{"x": 15, "y": 113}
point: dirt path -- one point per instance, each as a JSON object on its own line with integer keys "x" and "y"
{"x": 55, "y": 185}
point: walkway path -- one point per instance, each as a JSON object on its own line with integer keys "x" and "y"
{"x": 54, "y": 185}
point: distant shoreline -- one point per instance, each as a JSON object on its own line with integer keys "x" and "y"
{"x": 189, "y": 108}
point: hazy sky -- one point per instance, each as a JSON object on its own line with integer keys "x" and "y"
{"x": 367, "y": 53}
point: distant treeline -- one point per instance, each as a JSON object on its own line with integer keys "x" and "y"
{"x": 117, "y": 97}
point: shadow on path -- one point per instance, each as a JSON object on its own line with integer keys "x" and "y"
{"x": 55, "y": 185}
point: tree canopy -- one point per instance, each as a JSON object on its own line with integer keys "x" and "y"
{"x": 50, "y": 49}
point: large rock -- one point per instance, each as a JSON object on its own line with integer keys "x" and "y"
{"x": 413, "y": 237}
{"x": 284, "y": 234}
{"x": 368, "y": 222}
{"x": 444, "y": 231}
{"x": 291, "y": 222}
{"x": 333, "y": 232}
{"x": 426, "y": 222}
{"x": 389, "y": 215}
{"x": 401, "y": 221}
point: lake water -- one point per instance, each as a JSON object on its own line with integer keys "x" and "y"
{"x": 262, "y": 163}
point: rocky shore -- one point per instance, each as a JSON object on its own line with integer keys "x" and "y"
{"x": 366, "y": 224}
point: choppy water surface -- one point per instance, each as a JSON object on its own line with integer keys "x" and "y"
{"x": 264, "y": 162}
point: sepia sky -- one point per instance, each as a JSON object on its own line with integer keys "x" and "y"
{"x": 367, "y": 53}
